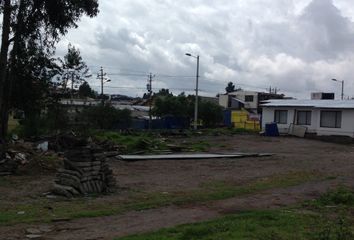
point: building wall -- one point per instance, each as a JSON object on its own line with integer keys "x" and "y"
{"x": 224, "y": 100}
{"x": 347, "y": 124}
{"x": 241, "y": 95}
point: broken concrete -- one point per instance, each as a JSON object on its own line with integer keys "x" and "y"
{"x": 85, "y": 172}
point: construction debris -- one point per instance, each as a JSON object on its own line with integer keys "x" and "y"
{"x": 189, "y": 156}
{"x": 10, "y": 163}
{"x": 85, "y": 172}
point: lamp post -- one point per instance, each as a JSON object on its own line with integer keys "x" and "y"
{"x": 342, "y": 82}
{"x": 196, "y": 92}
{"x": 103, "y": 82}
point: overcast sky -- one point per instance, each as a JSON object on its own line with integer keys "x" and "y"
{"x": 294, "y": 45}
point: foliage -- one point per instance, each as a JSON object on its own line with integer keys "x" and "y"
{"x": 170, "y": 105}
{"x": 230, "y": 87}
{"x": 132, "y": 142}
{"x": 56, "y": 117}
{"x": 32, "y": 28}
{"x": 73, "y": 69}
{"x": 86, "y": 91}
{"x": 183, "y": 106}
{"x": 210, "y": 113}
{"x": 105, "y": 116}
{"x": 163, "y": 92}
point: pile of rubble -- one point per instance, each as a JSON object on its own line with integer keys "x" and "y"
{"x": 10, "y": 162}
{"x": 85, "y": 172}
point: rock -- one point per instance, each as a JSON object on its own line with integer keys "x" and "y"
{"x": 45, "y": 228}
{"x": 33, "y": 231}
{"x": 34, "y": 236}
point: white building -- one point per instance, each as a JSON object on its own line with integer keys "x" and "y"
{"x": 249, "y": 100}
{"x": 323, "y": 117}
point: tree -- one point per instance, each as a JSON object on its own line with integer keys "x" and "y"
{"x": 106, "y": 117}
{"x": 86, "y": 91}
{"x": 164, "y": 92}
{"x": 230, "y": 87}
{"x": 73, "y": 69}
{"x": 32, "y": 27}
{"x": 169, "y": 105}
{"x": 181, "y": 106}
{"x": 210, "y": 113}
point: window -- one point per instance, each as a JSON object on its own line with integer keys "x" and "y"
{"x": 281, "y": 116}
{"x": 249, "y": 98}
{"x": 304, "y": 117}
{"x": 331, "y": 119}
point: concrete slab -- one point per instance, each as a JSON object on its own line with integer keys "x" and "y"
{"x": 189, "y": 156}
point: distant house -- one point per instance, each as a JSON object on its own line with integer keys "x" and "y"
{"x": 249, "y": 100}
{"x": 321, "y": 117}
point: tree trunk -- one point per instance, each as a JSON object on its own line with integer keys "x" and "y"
{"x": 5, "y": 42}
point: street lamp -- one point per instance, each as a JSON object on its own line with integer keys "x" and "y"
{"x": 103, "y": 82}
{"x": 196, "y": 92}
{"x": 341, "y": 81}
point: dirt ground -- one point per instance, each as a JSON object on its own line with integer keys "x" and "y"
{"x": 334, "y": 161}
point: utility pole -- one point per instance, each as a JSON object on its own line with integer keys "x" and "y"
{"x": 196, "y": 97}
{"x": 149, "y": 88}
{"x": 72, "y": 87}
{"x": 101, "y": 77}
{"x": 196, "y": 92}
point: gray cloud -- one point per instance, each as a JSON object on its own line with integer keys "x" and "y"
{"x": 296, "y": 46}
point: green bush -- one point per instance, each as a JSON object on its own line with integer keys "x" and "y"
{"x": 106, "y": 117}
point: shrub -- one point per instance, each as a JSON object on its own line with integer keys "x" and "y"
{"x": 106, "y": 117}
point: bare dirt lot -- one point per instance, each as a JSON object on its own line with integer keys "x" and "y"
{"x": 157, "y": 194}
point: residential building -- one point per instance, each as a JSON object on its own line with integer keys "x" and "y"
{"x": 321, "y": 117}
{"x": 249, "y": 100}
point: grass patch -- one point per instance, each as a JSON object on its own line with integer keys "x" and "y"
{"x": 258, "y": 225}
{"x": 133, "y": 142}
{"x": 341, "y": 197}
{"x": 5, "y": 182}
{"x": 200, "y": 146}
{"x": 44, "y": 210}
{"x": 335, "y": 223}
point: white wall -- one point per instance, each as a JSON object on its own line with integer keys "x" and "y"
{"x": 242, "y": 96}
{"x": 268, "y": 117}
{"x": 347, "y": 126}
{"x": 224, "y": 100}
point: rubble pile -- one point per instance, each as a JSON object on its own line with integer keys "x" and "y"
{"x": 11, "y": 161}
{"x": 85, "y": 172}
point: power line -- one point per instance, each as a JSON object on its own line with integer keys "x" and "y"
{"x": 154, "y": 88}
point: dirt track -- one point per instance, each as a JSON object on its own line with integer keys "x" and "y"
{"x": 291, "y": 155}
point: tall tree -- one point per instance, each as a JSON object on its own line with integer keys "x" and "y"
{"x": 73, "y": 69}
{"x": 32, "y": 26}
{"x": 230, "y": 87}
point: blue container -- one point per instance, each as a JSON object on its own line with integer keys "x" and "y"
{"x": 227, "y": 118}
{"x": 271, "y": 130}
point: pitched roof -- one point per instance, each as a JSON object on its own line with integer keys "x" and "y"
{"x": 333, "y": 104}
